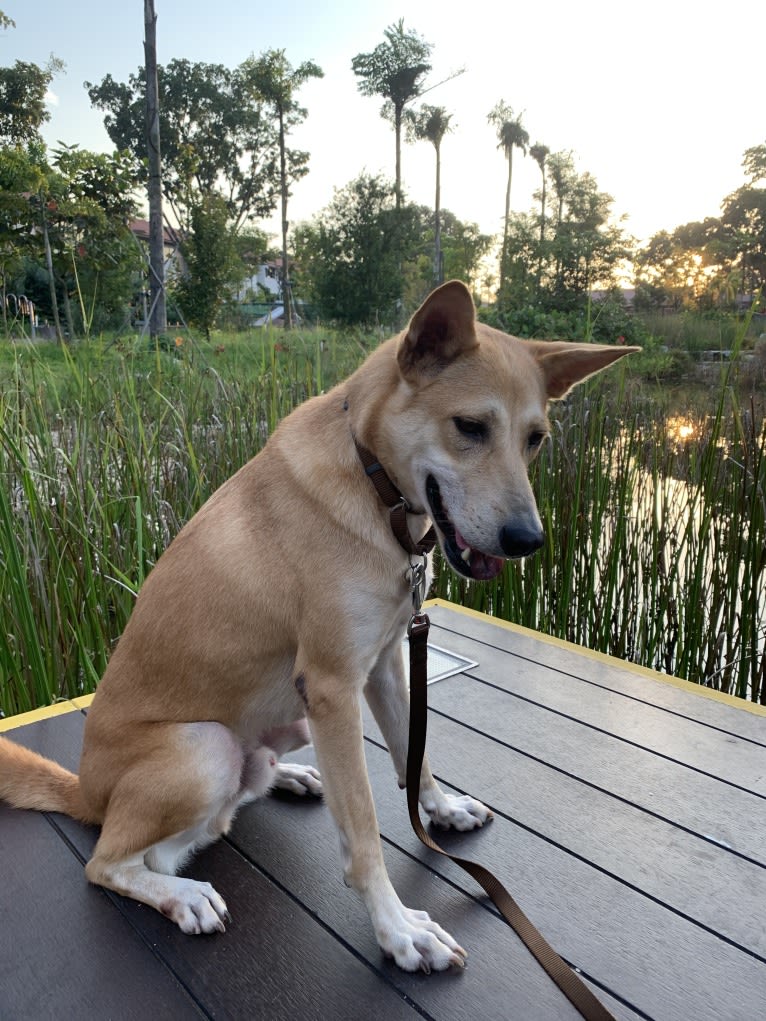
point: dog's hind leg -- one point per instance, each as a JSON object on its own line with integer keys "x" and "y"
{"x": 291, "y": 776}
{"x": 180, "y": 795}
{"x": 387, "y": 695}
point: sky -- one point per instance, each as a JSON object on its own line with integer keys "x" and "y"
{"x": 658, "y": 101}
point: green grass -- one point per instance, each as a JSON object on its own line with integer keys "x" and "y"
{"x": 655, "y": 537}
{"x": 654, "y": 543}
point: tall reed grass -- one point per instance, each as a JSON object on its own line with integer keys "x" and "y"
{"x": 655, "y": 537}
{"x": 655, "y": 534}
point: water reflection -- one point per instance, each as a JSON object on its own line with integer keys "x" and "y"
{"x": 682, "y": 429}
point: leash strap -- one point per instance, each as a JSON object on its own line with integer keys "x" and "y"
{"x": 571, "y": 985}
{"x": 565, "y": 978}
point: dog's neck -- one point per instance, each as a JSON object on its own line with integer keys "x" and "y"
{"x": 397, "y": 504}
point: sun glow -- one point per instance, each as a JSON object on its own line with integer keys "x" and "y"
{"x": 681, "y": 429}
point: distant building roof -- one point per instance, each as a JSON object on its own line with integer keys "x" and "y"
{"x": 140, "y": 228}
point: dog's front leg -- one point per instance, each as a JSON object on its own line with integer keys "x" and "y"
{"x": 410, "y": 937}
{"x": 388, "y": 697}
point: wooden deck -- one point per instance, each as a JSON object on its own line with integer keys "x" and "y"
{"x": 630, "y": 825}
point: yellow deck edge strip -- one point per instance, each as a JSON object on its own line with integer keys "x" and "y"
{"x": 634, "y": 668}
{"x": 35, "y": 715}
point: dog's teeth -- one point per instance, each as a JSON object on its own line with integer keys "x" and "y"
{"x": 466, "y": 554}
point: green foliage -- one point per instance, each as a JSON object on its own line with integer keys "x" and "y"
{"x": 463, "y": 248}
{"x": 754, "y": 163}
{"x": 606, "y": 322}
{"x": 352, "y": 253}
{"x": 211, "y": 264}
{"x": 216, "y": 136}
{"x": 715, "y": 263}
{"x": 22, "y": 99}
{"x": 554, "y": 261}
{"x": 395, "y": 69}
{"x": 81, "y": 202}
{"x": 276, "y": 82}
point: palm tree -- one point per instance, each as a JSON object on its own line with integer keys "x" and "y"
{"x": 431, "y": 123}
{"x": 395, "y": 70}
{"x": 276, "y": 82}
{"x": 539, "y": 154}
{"x": 511, "y": 134}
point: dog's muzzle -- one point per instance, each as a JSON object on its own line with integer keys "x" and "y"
{"x": 515, "y": 541}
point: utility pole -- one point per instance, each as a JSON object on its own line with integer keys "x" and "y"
{"x": 158, "y": 320}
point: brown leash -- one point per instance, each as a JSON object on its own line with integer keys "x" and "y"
{"x": 568, "y": 982}
{"x": 571, "y": 985}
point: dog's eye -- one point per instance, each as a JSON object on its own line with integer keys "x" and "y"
{"x": 535, "y": 439}
{"x": 471, "y": 428}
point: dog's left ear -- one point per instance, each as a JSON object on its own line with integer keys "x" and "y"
{"x": 443, "y": 328}
{"x": 564, "y": 364}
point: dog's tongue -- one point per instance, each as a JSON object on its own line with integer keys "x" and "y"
{"x": 482, "y": 566}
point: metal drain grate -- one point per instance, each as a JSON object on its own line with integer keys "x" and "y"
{"x": 441, "y": 662}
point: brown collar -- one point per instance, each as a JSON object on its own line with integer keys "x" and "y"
{"x": 396, "y": 503}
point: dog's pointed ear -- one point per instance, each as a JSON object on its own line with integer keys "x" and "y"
{"x": 443, "y": 328}
{"x": 564, "y": 363}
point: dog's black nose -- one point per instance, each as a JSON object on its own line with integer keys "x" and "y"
{"x": 519, "y": 540}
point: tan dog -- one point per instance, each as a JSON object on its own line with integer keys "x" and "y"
{"x": 243, "y": 627}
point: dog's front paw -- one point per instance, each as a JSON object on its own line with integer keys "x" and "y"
{"x": 195, "y": 907}
{"x": 298, "y": 779}
{"x": 417, "y": 943}
{"x": 455, "y": 811}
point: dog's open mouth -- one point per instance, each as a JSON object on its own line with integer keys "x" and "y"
{"x": 461, "y": 557}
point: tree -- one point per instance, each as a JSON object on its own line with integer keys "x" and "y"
{"x": 562, "y": 174}
{"x": 215, "y": 133}
{"x": 463, "y": 248}
{"x": 754, "y": 162}
{"x": 431, "y": 123}
{"x": 275, "y": 81}
{"x": 209, "y": 253}
{"x": 511, "y": 135}
{"x": 21, "y": 175}
{"x": 352, "y": 254}
{"x": 64, "y": 232}
{"x": 22, "y": 99}
{"x": 743, "y": 235}
{"x": 85, "y": 208}
{"x": 540, "y": 154}
{"x": 580, "y": 249}
{"x": 670, "y": 268}
{"x": 395, "y": 70}
{"x": 158, "y": 320}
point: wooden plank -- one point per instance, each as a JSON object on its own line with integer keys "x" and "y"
{"x": 296, "y": 842}
{"x": 57, "y": 737}
{"x": 716, "y": 812}
{"x": 274, "y": 961}
{"x": 694, "y": 878}
{"x": 703, "y": 704}
{"x": 64, "y": 951}
{"x": 736, "y": 760}
{"x": 661, "y": 963}
{"x": 246, "y": 972}
{"x": 664, "y": 965}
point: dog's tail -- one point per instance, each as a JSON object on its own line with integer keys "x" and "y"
{"x": 27, "y": 780}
